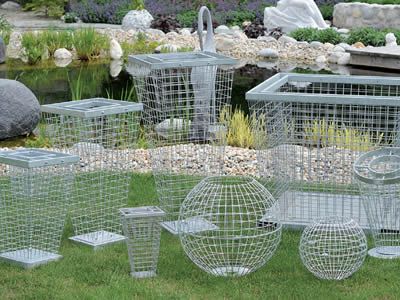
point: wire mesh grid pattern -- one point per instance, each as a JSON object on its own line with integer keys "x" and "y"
{"x": 312, "y": 129}
{"x": 103, "y": 139}
{"x": 377, "y": 173}
{"x": 141, "y": 226}
{"x": 333, "y": 248}
{"x": 33, "y": 208}
{"x": 183, "y": 99}
{"x": 245, "y": 229}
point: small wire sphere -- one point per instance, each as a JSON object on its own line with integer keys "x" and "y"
{"x": 333, "y": 248}
{"x": 229, "y": 225}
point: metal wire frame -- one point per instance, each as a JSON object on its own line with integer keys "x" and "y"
{"x": 181, "y": 113}
{"x": 141, "y": 227}
{"x": 102, "y": 181}
{"x": 244, "y": 229}
{"x": 33, "y": 209}
{"x": 333, "y": 248}
{"x": 312, "y": 128}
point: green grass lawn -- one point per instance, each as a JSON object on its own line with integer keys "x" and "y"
{"x": 104, "y": 274}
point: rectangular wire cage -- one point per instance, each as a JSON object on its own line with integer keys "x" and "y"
{"x": 35, "y": 187}
{"x": 311, "y": 129}
{"x": 104, "y": 134}
{"x": 141, "y": 226}
{"x": 183, "y": 95}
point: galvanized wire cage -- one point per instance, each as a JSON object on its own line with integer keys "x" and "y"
{"x": 333, "y": 248}
{"x": 183, "y": 95}
{"x": 104, "y": 134}
{"x": 142, "y": 228}
{"x": 243, "y": 226}
{"x": 311, "y": 129}
{"x": 378, "y": 176}
{"x": 35, "y": 189}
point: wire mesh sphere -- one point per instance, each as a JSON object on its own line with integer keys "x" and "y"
{"x": 333, "y": 248}
{"x": 229, "y": 225}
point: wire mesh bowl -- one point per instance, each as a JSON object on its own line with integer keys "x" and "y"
{"x": 229, "y": 225}
{"x": 333, "y": 248}
{"x": 378, "y": 176}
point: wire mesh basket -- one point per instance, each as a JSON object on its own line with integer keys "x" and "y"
{"x": 183, "y": 95}
{"x": 35, "y": 187}
{"x": 103, "y": 133}
{"x": 378, "y": 176}
{"x": 311, "y": 129}
{"x": 141, "y": 226}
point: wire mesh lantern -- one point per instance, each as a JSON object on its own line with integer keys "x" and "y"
{"x": 103, "y": 133}
{"x": 310, "y": 129}
{"x": 378, "y": 176}
{"x": 35, "y": 187}
{"x": 333, "y": 248}
{"x": 245, "y": 233}
{"x": 183, "y": 96}
{"x": 141, "y": 226}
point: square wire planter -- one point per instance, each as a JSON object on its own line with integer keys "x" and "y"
{"x": 104, "y": 134}
{"x": 311, "y": 129}
{"x": 141, "y": 226}
{"x": 35, "y": 187}
{"x": 183, "y": 95}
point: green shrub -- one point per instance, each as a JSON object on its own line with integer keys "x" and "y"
{"x": 328, "y": 35}
{"x": 51, "y": 8}
{"x": 33, "y": 47}
{"x": 238, "y": 17}
{"x": 141, "y": 45}
{"x": 89, "y": 43}
{"x": 5, "y": 29}
{"x": 137, "y": 5}
{"x": 55, "y": 40}
{"x": 370, "y": 36}
{"x": 327, "y": 11}
{"x": 187, "y": 18}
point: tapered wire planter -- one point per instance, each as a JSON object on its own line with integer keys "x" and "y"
{"x": 35, "y": 189}
{"x": 183, "y": 95}
{"x": 311, "y": 129}
{"x": 142, "y": 228}
{"x": 378, "y": 176}
{"x": 104, "y": 134}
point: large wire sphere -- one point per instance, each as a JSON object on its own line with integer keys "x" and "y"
{"x": 229, "y": 225}
{"x": 333, "y": 248}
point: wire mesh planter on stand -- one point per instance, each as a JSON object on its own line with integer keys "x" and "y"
{"x": 246, "y": 230}
{"x": 311, "y": 129}
{"x": 141, "y": 226}
{"x": 103, "y": 133}
{"x": 183, "y": 95}
{"x": 378, "y": 176}
{"x": 35, "y": 189}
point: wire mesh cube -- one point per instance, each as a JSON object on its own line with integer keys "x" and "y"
{"x": 333, "y": 248}
{"x": 246, "y": 230}
{"x": 141, "y": 226}
{"x": 104, "y": 134}
{"x": 35, "y": 187}
{"x": 183, "y": 95}
{"x": 378, "y": 176}
{"x": 311, "y": 129}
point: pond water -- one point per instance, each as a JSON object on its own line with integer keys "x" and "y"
{"x": 54, "y": 84}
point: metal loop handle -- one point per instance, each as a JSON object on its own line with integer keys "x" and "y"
{"x": 209, "y": 44}
{"x": 382, "y": 159}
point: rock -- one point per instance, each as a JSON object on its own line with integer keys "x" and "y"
{"x": 293, "y": 14}
{"x": 338, "y": 49}
{"x": 62, "y": 53}
{"x": 116, "y": 52}
{"x": 62, "y": 63}
{"x": 155, "y": 33}
{"x": 345, "y": 46}
{"x": 268, "y": 39}
{"x": 224, "y": 43}
{"x": 320, "y": 59}
{"x": 137, "y": 19}
{"x": 344, "y": 59}
{"x": 358, "y": 45}
{"x": 10, "y": 5}
{"x": 167, "y": 48}
{"x": 268, "y": 53}
{"x": 235, "y": 27}
{"x": 390, "y": 39}
{"x": 186, "y": 32}
{"x": 2, "y": 51}
{"x": 303, "y": 44}
{"x": 222, "y": 29}
{"x": 329, "y": 46}
{"x": 343, "y": 31}
{"x": 240, "y": 35}
{"x": 316, "y": 45}
{"x": 115, "y": 68}
{"x": 287, "y": 40}
{"x": 19, "y": 109}
{"x": 246, "y": 23}
{"x": 171, "y": 35}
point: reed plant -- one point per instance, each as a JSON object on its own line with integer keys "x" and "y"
{"x": 89, "y": 43}
{"x": 57, "y": 39}
{"x": 33, "y": 47}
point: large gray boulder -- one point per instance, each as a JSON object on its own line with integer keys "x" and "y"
{"x": 137, "y": 20}
{"x": 2, "y": 51}
{"x": 19, "y": 109}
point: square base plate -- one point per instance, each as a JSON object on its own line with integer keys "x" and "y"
{"x": 385, "y": 252}
{"x": 192, "y": 225}
{"x": 29, "y": 258}
{"x": 143, "y": 274}
{"x": 98, "y": 239}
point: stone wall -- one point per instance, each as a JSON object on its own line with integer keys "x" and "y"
{"x": 352, "y": 15}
